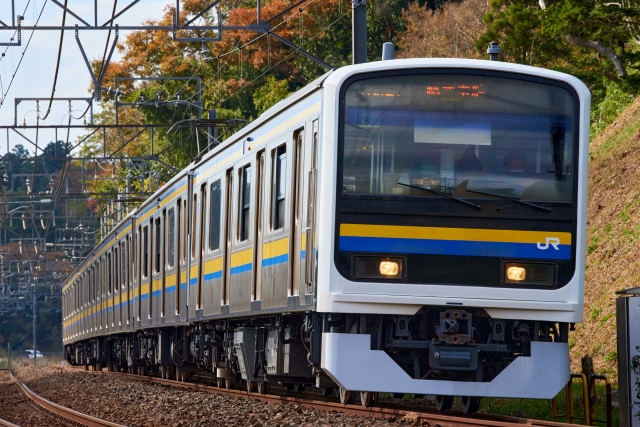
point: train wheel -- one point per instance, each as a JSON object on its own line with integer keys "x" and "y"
{"x": 170, "y": 370}
{"x": 470, "y": 404}
{"x": 250, "y": 386}
{"x": 297, "y": 388}
{"x": 163, "y": 372}
{"x": 444, "y": 402}
{"x": 327, "y": 391}
{"x": 178, "y": 374}
{"x": 263, "y": 387}
{"x": 346, "y": 396}
{"x": 220, "y": 382}
{"x": 185, "y": 376}
{"x": 368, "y": 399}
{"x": 228, "y": 383}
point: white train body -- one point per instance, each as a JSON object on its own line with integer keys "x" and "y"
{"x": 408, "y": 226}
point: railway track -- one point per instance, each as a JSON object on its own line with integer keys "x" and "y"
{"x": 5, "y": 423}
{"x": 387, "y": 411}
{"x": 66, "y": 415}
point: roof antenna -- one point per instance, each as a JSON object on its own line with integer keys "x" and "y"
{"x": 493, "y": 51}
{"x": 387, "y": 51}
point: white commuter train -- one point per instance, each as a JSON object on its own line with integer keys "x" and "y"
{"x": 405, "y": 226}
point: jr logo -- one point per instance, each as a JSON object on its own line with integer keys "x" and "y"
{"x": 551, "y": 241}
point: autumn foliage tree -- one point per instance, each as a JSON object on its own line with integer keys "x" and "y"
{"x": 451, "y": 32}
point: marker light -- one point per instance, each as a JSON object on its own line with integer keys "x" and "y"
{"x": 530, "y": 273}
{"x": 366, "y": 267}
{"x": 515, "y": 273}
{"x": 388, "y": 268}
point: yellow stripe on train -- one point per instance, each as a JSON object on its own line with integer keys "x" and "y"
{"x": 242, "y": 258}
{"x": 275, "y": 248}
{"x": 443, "y": 233}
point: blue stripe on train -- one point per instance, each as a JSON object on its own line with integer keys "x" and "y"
{"x": 241, "y": 268}
{"x": 214, "y": 275}
{"x": 267, "y": 262}
{"x": 452, "y": 247}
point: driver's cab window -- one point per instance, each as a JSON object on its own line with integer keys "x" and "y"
{"x": 479, "y": 137}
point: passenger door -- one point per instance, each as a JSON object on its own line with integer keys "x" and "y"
{"x": 312, "y": 195}
{"x": 296, "y": 276}
{"x": 259, "y": 222}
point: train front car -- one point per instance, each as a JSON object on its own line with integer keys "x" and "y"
{"x": 457, "y": 192}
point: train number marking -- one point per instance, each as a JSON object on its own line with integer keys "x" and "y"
{"x": 551, "y": 241}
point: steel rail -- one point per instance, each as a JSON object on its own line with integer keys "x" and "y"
{"x": 6, "y": 423}
{"x": 387, "y": 413}
{"x": 61, "y": 411}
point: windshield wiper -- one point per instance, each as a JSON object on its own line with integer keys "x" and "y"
{"x": 513, "y": 199}
{"x": 442, "y": 194}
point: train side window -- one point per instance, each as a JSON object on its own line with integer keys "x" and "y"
{"x": 172, "y": 239}
{"x": 145, "y": 251}
{"x": 96, "y": 278}
{"x": 158, "y": 246}
{"x": 194, "y": 224}
{"x": 279, "y": 187}
{"x": 109, "y": 271}
{"x": 116, "y": 269}
{"x": 184, "y": 231}
{"x": 245, "y": 203}
{"x": 123, "y": 263}
{"x": 214, "y": 216}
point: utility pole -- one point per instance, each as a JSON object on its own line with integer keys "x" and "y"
{"x": 359, "y": 31}
{"x": 35, "y": 317}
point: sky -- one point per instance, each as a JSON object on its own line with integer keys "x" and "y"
{"x": 34, "y": 77}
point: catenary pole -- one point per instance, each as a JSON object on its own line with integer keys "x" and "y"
{"x": 359, "y": 31}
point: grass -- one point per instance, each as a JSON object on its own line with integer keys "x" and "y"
{"x": 595, "y": 313}
{"x": 605, "y": 318}
{"x": 541, "y": 409}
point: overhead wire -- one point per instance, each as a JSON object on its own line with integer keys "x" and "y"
{"x": 283, "y": 59}
{"x": 55, "y": 76}
{"x": 284, "y": 21}
{"x": 14, "y": 33}
{"x": 106, "y": 46}
{"x": 4, "y": 97}
{"x": 239, "y": 47}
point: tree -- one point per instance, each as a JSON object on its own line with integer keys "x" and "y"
{"x": 590, "y": 38}
{"x": 450, "y": 32}
{"x": 270, "y": 93}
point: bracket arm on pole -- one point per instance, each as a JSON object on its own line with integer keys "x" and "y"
{"x": 302, "y": 51}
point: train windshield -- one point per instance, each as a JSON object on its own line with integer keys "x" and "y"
{"x": 468, "y": 136}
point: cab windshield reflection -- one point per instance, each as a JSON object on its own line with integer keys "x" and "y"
{"x": 463, "y": 135}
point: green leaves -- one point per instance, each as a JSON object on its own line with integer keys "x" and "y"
{"x": 270, "y": 93}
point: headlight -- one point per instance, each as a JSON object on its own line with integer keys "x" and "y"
{"x": 377, "y": 267}
{"x": 529, "y": 273}
{"x": 389, "y": 268}
{"x": 516, "y": 273}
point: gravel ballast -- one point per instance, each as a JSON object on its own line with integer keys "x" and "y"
{"x": 140, "y": 404}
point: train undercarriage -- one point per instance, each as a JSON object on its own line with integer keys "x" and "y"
{"x": 435, "y": 344}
